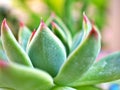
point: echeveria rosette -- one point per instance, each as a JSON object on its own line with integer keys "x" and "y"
{"x": 43, "y": 61}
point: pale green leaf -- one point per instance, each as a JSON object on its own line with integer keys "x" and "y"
{"x": 21, "y": 77}
{"x": 46, "y": 51}
{"x": 12, "y": 48}
{"x": 80, "y": 60}
{"x": 23, "y": 36}
{"x": 105, "y": 70}
{"x": 2, "y": 53}
{"x": 61, "y": 35}
{"x": 60, "y": 23}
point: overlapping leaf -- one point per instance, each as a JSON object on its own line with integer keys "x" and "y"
{"x": 61, "y": 35}
{"x": 2, "y": 53}
{"x": 46, "y": 51}
{"x": 107, "y": 69}
{"x": 87, "y": 26}
{"x": 19, "y": 77}
{"x": 23, "y": 35}
{"x": 13, "y": 50}
{"x": 62, "y": 26}
{"x": 80, "y": 60}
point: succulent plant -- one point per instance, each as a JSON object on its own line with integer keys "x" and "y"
{"x": 49, "y": 59}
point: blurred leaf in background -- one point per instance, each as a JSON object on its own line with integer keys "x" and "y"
{"x": 34, "y": 10}
{"x": 12, "y": 20}
{"x": 69, "y": 10}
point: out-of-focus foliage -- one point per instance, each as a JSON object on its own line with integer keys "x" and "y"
{"x": 12, "y": 20}
{"x": 69, "y": 10}
{"x": 33, "y": 16}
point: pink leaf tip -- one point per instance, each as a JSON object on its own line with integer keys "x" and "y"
{"x": 4, "y": 23}
{"x": 42, "y": 24}
{"x": 3, "y": 64}
{"x": 85, "y": 17}
{"x": 53, "y": 24}
{"x": 52, "y": 15}
{"x": 94, "y": 31}
{"x": 21, "y": 24}
{"x": 33, "y": 33}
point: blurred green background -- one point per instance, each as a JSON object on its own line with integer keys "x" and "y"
{"x": 70, "y": 11}
{"x": 104, "y": 13}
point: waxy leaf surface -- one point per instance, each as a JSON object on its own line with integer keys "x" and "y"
{"x": 105, "y": 70}
{"x": 46, "y": 51}
{"x": 87, "y": 26}
{"x": 19, "y": 77}
{"x": 23, "y": 36}
{"x": 61, "y": 35}
{"x": 12, "y": 48}
{"x": 59, "y": 22}
{"x": 80, "y": 60}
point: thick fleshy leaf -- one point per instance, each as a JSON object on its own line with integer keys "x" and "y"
{"x": 13, "y": 50}
{"x": 46, "y": 51}
{"x": 23, "y": 35}
{"x": 107, "y": 69}
{"x": 61, "y": 35}
{"x": 87, "y": 26}
{"x": 88, "y": 88}
{"x": 63, "y": 88}
{"x": 80, "y": 60}
{"x": 58, "y": 21}
{"x": 2, "y": 53}
{"x": 19, "y": 77}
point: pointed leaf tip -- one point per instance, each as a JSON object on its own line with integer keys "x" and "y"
{"x": 21, "y": 24}
{"x": 3, "y": 64}
{"x": 53, "y": 15}
{"x": 53, "y": 24}
{"x": 33, "y": 33}
{"x": 4, "y": 22}
{"x": 85, "y": 17}
{"x": 42, "y": 24}
{"x": 94, "y": 32}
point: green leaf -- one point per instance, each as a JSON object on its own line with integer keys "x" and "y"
{"x": 21, "y": 77}
{"x": 88, "y": 88}
{"x": 2, "y": 53}
{"x": 13, "y": 50}
{"x": 46, "y": 51}
{"x": 58, "y": 21}
{"x": 61, "y": 35}
{"x": 106, "y": 70}
{"x": 23, "y": 35}
{"x": 80, "y": 60}
{"x": 63, "y": 88}
{"x": 77, "y": 40}
{"x": 3, "y": 88}
{"x": 87, "y": 27}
